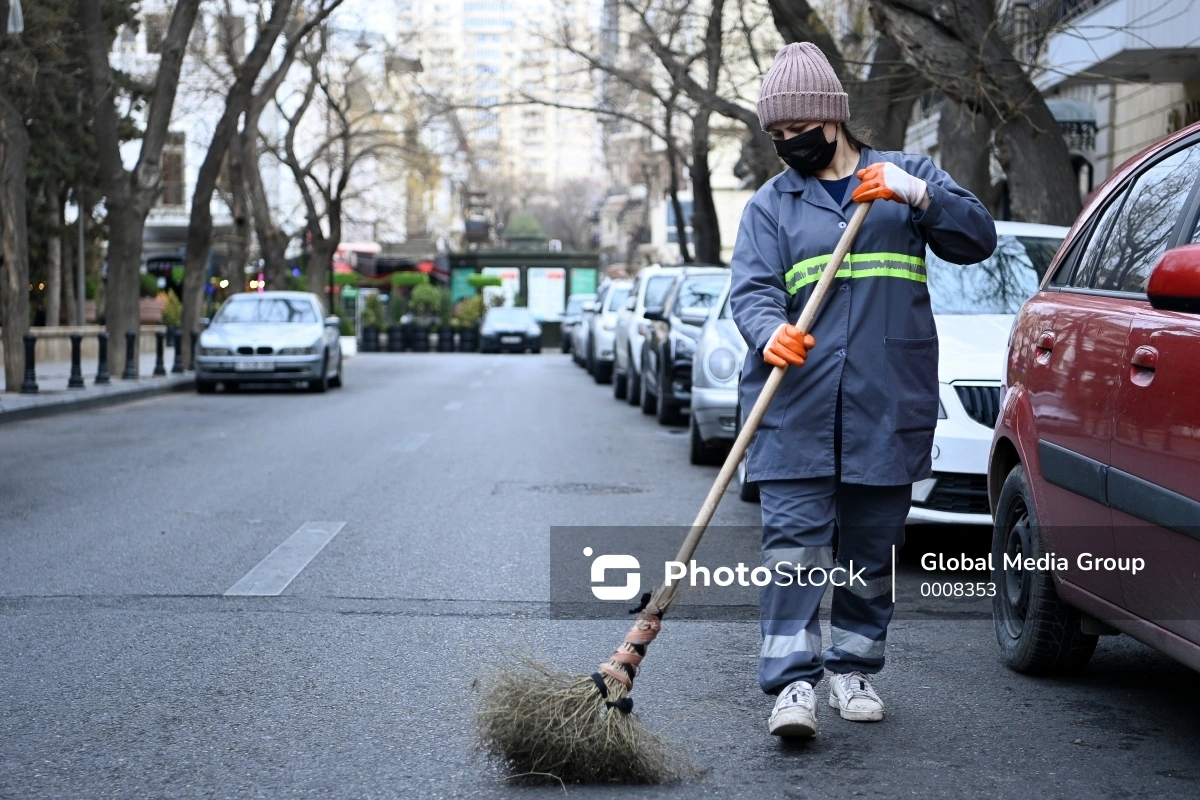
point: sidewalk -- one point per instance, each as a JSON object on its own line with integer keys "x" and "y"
{"x": 54, "y": 397}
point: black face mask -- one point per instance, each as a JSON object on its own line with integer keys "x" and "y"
{"x": 808, "y": 152}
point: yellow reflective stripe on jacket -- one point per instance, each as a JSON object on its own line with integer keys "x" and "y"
{"x": 857, "y": 265}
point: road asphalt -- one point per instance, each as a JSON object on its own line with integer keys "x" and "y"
{"x": 126, "y": 671}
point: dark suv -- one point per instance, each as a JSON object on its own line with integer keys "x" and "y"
{"x": 671, "y": 341}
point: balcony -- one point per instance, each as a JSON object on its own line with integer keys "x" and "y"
{"x": 1143, "y": 41}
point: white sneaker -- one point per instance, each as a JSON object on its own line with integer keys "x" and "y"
{"x": 854, "y": 697}
{"x": 795, "y": 712}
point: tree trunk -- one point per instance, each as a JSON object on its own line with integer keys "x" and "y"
{"x": 705, "y": 225}
{"x": 14, "y": 247}
{"x": 272, "y": 240}
{"x": 239, "y": 250}
{"x": 320, "y": 261}
{"x": 965, "y": 145}
{"x": 122, "y": 289}
{"x": 680, "y": 220}
{"x": 54, "y": 261}
{"x": 963, "y": 56}
{"x": 881, "y": 106}
{"x": 69, "y": 270}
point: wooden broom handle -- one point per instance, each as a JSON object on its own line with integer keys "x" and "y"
{"x": 666, "y": 594}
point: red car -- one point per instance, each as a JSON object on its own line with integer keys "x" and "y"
{"x": 1094, "y": 477}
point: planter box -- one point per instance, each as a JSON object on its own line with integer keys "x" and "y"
{"x": 349, "y": 346}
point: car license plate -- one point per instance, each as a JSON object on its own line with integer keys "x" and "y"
{"x": 254, "y": 366}
{"x": 510, "y": 339}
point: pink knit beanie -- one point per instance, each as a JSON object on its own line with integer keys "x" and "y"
{"x": 802, "y": 86}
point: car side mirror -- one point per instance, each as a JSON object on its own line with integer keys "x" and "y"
{"x": 204, "y": 322}
{"x": 692, "y": 319}
{"x": 1175, "y": 280}
{"x": 333, "y": 322}
{"x": 654, "y": 313}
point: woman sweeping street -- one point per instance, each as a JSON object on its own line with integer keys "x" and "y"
{"x": 852, "y": 426}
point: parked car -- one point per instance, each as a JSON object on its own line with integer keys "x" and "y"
{"x": 974, "y": 307}
{"x": 649, "y": 289}
{"x": 720, "y": 351}
{"x": 671, "y": 340}
{"x": 507, "y": 328}
{"x": 571, "y": 317}
{"x": 603, "y": 323}
{"x": 269, "y": 337}
{"x": 1095, "y": 462}
{"x": 581, "y": 331}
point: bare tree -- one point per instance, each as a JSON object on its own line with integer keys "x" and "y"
{"x": 957, "y": 47}
{"x": 356, "y": 132}
{"x": 237, "y": 100}
{"x": 14, "y": 246}
{"x": 129, "y": 194}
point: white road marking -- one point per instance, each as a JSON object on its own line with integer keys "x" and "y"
{"x": 273, "y": 574}
{"x": 453, "y": 405}
{"x": 410, "y": 443}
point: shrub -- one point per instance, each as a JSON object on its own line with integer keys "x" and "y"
{"x": 373, "y": 313}
{"x": 346, "y": 326}
{"x": 172, "y": 313}
{"x": 149, "y": 284}
{"x": 425, "y": 300}
{"x": 397, "y": 306}
{"x": 469, "y": 310}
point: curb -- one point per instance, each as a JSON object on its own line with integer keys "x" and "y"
{"x": 69, "y": 402}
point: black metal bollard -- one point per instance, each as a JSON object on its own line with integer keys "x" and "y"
{"x": 29, "y": 385}
{"x": 102, "y": 352}
{"x": 159, "y": 367}
{"x": 131, "y": 366}
{"x": 195, "y": 335}
{"x": 76, "y": 379}
{"x": 177, "y": 343}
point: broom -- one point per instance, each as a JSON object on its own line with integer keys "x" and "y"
{"x": 540, "y": 722}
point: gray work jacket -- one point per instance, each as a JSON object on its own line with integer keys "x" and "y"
{"x": 875, "y": 335}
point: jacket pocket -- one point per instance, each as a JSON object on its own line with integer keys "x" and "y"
{"x": 912, "y": 370}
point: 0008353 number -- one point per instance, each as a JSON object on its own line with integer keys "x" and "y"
{"x": 955, "y": 589}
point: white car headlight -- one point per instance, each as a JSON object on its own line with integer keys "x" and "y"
{"x": 722, "y": 363}
{"x": 298, "y": 351}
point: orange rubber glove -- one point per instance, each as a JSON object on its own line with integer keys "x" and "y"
{"x": 788, "y": 346}
{"x": 886, "y": 181}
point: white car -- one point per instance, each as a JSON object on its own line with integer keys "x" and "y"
{"x": 602, "y": 324}
{"x": 720, "y": 350}
{"x": 269, "y": 337}
{"x": 974, "y": 307}
{"x": 649, "y": 289}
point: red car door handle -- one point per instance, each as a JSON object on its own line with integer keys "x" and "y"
{"x": 1145, "y": 357}
{"x": 1143, "y": 363}
{"x": 1044, "y": 346}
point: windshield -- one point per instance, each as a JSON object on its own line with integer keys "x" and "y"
{"x": 656, "y": 290}
{"x": 510, "y": 316}
{"x": 999, "y": 285}
{"x": 616, "y": 297}
{"x": 575, "y": 303}
{"x": 267, "y": 309}
{"x": 700, "y": 292}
